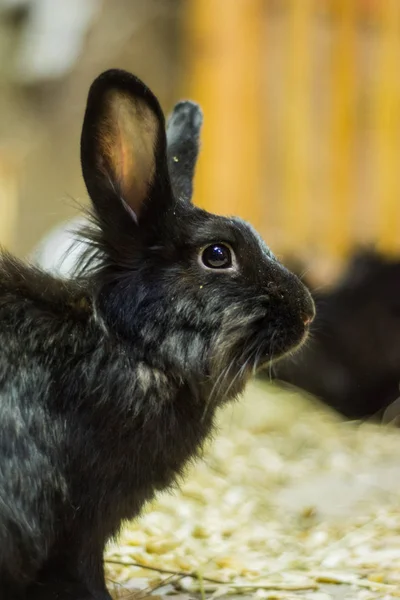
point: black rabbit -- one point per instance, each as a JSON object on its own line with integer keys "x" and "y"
{"x": 352, "y": 358}
{"x": 109, "y": 382}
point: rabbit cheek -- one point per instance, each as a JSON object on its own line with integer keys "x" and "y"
{"x": 232, "y": 353}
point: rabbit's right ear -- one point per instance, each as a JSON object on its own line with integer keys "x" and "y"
{"x": 123, "y": 151}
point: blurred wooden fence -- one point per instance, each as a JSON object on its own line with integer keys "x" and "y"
{"x": 302, "y": 118}
{"x": 9, "y": 192}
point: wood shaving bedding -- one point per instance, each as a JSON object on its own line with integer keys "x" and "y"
{"x": 289, "y": 502}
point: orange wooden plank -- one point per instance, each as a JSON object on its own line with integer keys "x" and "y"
{"x": 343, "y": 130}
{"x": 224, "y": 58}
{"x": 296, "y": 125}
{"x": 386, "y": 115}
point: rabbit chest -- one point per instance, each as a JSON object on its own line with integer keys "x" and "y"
{"x": 132, "y": 432}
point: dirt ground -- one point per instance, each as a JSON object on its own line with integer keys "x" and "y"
{"x": 288, "y": 503}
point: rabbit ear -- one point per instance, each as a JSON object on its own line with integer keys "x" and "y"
{"x": 123, "y": 149}
{"x": 183, "y": 133}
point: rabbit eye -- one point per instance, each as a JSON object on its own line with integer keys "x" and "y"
{"x": 217, "y": 256}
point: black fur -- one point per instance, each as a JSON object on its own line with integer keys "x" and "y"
{"x": 352, "y": 358}
{"x": 109, "y": 383}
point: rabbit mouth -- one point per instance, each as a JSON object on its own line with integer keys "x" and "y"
{"x": 269, "y": 348}
{"x": 291, "y": 346}
{"x": 233, "y": 370}
{"x": 248, "y": 342}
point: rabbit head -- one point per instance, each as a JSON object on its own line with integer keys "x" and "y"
{"x": 201, "y": 295}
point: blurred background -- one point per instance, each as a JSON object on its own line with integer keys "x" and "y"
{"x": 301, "y": 103}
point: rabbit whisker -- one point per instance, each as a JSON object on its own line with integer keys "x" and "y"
{"x": 271, "y": 353}
{"x": 217, "y": 386}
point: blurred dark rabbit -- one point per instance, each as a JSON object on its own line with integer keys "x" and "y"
{"x": 109, "y": 381}
{"x": 352, "y": 358}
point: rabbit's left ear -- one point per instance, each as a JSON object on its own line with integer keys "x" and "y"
{"x": 123, "y": 149}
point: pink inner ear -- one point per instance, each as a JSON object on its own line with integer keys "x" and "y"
{"x": 127, "y": 142}
{"x": 126, "y": 159}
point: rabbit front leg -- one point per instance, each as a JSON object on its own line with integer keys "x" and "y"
{"x": 11, "y": 591}
{"x": 56, "y": 588}
{"x": 73, "y": 575}
{"x": 23, "y": 549}
{"x": 60, "y": 590}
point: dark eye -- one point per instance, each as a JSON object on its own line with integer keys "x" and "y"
{"x": 217, "y": 256}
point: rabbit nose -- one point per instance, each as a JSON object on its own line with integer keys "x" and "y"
{"x": 308, "y": 313}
